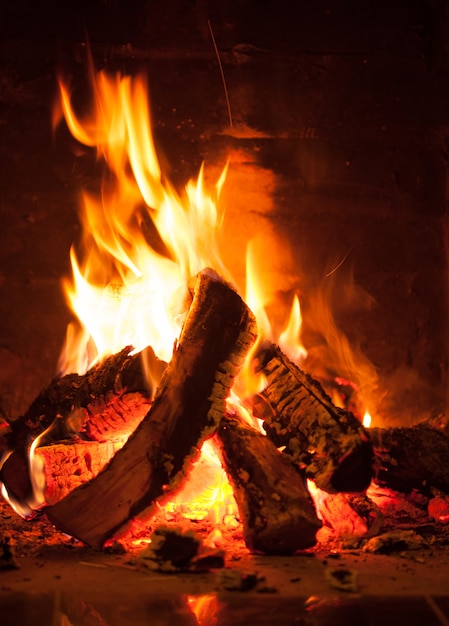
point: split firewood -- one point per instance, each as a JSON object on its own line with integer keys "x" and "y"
{"x": 105, "y": 404}
{"x": 275, "y": 507}
{"x": 78, "y": 404}
{"x": 415, "y": 457}
{"x": 329, "y": 443}
{"x": 189, "y": 402}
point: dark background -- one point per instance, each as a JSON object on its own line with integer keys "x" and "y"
{"x": 338, "y": 147}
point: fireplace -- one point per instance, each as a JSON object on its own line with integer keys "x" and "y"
{"x": 334, "y": 121}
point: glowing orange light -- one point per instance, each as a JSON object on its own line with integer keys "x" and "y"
{"x": 367, "y": 419}
{"x": 142, "y": 241}
{"x": 205, "y": 608}
{"x": 125, "y": 288}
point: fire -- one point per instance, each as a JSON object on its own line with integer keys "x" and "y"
{"x": 36, "y": 499}
{"x": 347, "y": 374}
{"x": 142, "y": 241}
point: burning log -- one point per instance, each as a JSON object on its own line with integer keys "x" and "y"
{"x": 84, "y": 404}
{"x": 105, "y": 404}
{"x": 415, "y": 457}
{"x": 189, "y": 402}
{"x": 67, "y": 466}
{"x": 329, "y": 443}
{"x": 275, "y": 507}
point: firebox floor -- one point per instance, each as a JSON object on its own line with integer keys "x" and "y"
{"x": 48, "y": 578}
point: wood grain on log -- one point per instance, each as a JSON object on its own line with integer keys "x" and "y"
{"x": 120, "y": 414}
{"x": 329, "y": 443}
{"x": 276, "y": 510}
{"x": 190, "y": 401}
{"x": 66, "y": 466}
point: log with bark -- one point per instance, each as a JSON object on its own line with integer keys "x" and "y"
{"x": 189, "y": 402}
{"x": 329, "y": 443}
{"x": 275, "y": 507}
{"x": 415, "y": 457}
{"x": 105, "y": 404}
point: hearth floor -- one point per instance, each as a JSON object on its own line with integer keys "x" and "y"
{"x": 52, "y": 579}
{"x": 52, "y": 609}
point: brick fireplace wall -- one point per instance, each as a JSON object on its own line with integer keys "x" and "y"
{"x": 338, "y": 149}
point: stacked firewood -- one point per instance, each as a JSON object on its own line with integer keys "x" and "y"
{"x": 98, "y": 476}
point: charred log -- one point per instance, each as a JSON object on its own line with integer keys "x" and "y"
{"x": 410, "y": 458}
{"x": 110, "y": 419}
{"x": 190, "y": 401}
{"x": 329, "y": 443}
{"x": 78, "y": 404}
{"x": 276, "y": 510}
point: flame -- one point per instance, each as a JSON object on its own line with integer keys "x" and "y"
{"x": 142, "y": 240}
{"x": 36, "y": 500}
{"x": 367, "y": 419}
{"x": 259, "y": 296}
{"x": 127, "y": 285}
{"x": 207, "y": 494}
{"x": 289, "y": 339}
{"x": 346, "y": 373}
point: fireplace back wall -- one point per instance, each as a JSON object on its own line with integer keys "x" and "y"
{"x": 338, "y": 163}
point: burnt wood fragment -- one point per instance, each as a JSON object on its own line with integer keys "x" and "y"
{"x": 276, "y": 510}
{"x": 350, "y": 514}
{"x": 189, "y": 402}
{"x": 329, "y": 443}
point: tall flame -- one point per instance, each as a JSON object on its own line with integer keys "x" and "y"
{"x": 142, "y": 240}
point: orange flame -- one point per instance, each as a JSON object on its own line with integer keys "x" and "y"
{"x": 332, "y": 356}
{"x": 142, "y": 241}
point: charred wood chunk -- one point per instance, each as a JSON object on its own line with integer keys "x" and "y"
{"x": 329, "y": 443}
{"x": 415, "y": 457}
{"x": 189, "y": 402}
{"x": 351, "y": 514}
{"x": 275, "y": 508}
{"x": 67, "y": 466}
